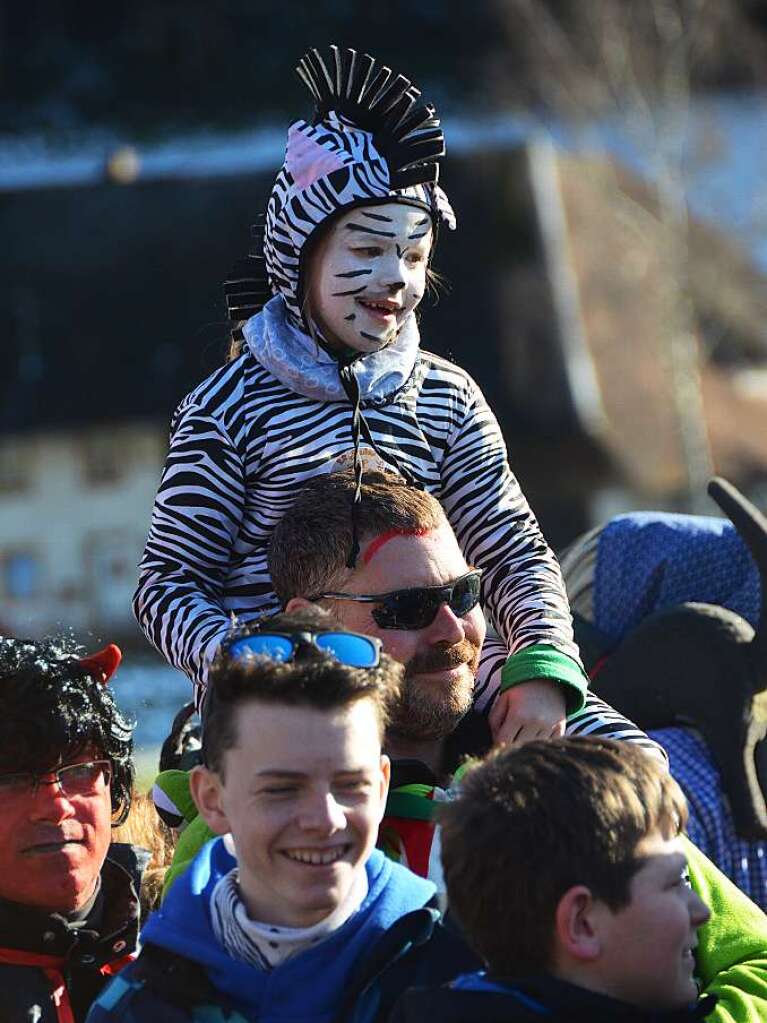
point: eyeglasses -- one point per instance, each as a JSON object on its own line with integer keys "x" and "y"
{"x": 417, "y": 607}
{"x": 349, "y": 648}
{"x": 74, "y": 780}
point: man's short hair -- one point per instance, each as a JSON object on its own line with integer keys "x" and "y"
{"x": 52, "y": 710}
{"x": 530, "y": 823}
{"x": 314, "y": 679}
{"x": 311, "y": 543}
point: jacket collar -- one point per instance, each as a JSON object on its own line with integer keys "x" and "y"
{"x": 340, "y": 963}
{"x": 589, "y": 1007}
{"x": 536, "y": 1000}
{"x": 108, "y": 930}
{"x": 470, "y": 738}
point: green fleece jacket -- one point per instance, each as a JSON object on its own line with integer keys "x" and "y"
{"x": 732, "y": 947}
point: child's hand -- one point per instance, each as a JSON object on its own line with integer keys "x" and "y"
{"x": 530, "y": 710}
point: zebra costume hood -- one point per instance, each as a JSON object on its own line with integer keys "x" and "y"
{"x": 371, "y": 140}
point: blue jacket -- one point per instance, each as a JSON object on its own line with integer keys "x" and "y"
{"x": 710, "y": 825}
{"x": 647, "y": 561}
{"x": 394, "y": 938}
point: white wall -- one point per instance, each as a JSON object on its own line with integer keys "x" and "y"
{"x": 74, "y": 513}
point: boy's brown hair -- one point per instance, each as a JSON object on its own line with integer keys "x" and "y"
{"x": 311, "y": 542}
{"x": 530, "y": 823}
{"x": 315, "y": 679}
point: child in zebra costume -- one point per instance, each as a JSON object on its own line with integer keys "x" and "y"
{"x": 330, "y": 374}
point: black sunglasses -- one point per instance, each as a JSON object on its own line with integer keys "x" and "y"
{"x": 417, "y": 607}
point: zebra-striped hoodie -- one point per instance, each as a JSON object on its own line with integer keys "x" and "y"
{"x": 242, "y": 443}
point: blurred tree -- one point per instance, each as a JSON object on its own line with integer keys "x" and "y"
{"x": 154, "y": 65}
{"x": 636, "y": 65}
{"x": 592, "y": 57}
{"x": 149, "y": 66}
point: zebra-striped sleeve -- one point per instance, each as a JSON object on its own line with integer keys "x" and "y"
{"x": 597, "y": 718}
{"x": 243, "y": 443}
{"x": 522, "y": 584}
{"x": 195, "y": 521}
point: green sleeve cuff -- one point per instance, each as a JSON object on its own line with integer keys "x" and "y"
{"x": 545, "y": 661}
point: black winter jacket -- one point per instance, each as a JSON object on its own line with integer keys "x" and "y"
{"x": 538, "y": 1000}
{"x": 52, "y": 968}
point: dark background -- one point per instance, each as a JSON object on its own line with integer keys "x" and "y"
{"x": 150, "y": 66}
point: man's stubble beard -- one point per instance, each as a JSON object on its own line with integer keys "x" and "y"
{"x": 427, "y": 711}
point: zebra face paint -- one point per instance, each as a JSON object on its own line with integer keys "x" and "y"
{"x": 368, "y": 274}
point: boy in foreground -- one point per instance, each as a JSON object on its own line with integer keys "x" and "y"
{"x": 565, "y": 864}
{"x": 292, "y": 913}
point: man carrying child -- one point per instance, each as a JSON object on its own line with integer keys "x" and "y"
{"x": 432, "y": 726}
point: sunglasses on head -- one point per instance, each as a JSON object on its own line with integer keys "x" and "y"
{"x": 349, "y": 648}
{"x": 417, "y": 607}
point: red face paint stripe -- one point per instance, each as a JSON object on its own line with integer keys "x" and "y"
{"x": 375, "y": 545}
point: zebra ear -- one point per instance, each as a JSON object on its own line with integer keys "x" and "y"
{"x": 406, "y": 131}
{"x": 247, "y": 288}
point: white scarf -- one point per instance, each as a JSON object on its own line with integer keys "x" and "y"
{"x": 268, "y": 945}
{"x": 298, "y": 362}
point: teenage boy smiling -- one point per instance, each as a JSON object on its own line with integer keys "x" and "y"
{"x": 293, "y": 913}
{"x": 603, "y": 928}
{"x": 303, "y": 814}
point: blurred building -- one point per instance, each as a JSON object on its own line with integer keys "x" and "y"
{"x": 73, "y": 508}
{"x": 110, "y": 311}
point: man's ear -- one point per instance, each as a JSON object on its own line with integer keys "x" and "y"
{"x": 207, "y": 791}
{"x": 576, "y": 925}
{"x": 329, "y": 606}
{"x": 384, "y": 780}
{"x": 385, "y": 777}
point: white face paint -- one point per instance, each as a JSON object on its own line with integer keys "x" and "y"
{"x": 368, "y": 274}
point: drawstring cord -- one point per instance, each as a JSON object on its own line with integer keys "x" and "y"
{"x": 352, "y": 389}
{"x": 360, "y": 428}
{"x": 401, "y": 469}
